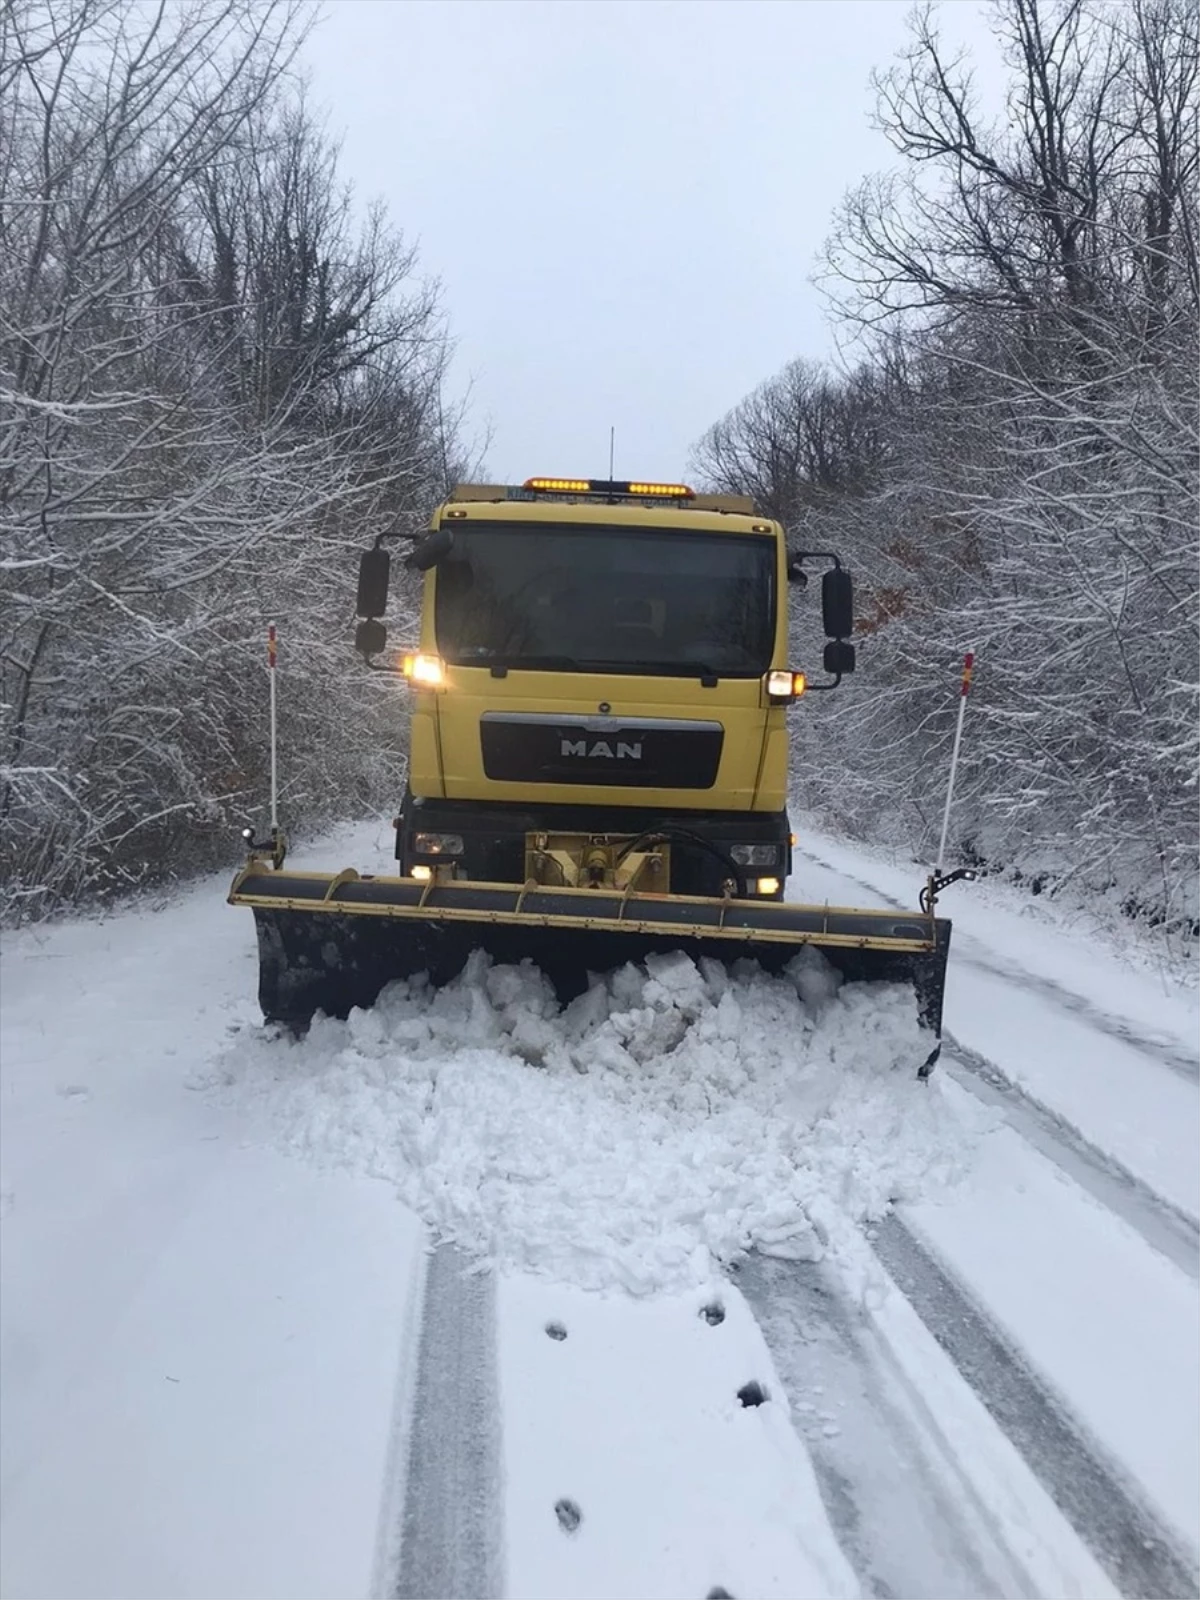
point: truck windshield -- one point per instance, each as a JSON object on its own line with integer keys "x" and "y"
{"x": 607, "y": 599}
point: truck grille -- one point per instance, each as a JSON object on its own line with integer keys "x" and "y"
{"x": 625, "y": 752}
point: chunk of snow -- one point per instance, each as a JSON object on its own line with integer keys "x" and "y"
{"x": 668, "y": 1119}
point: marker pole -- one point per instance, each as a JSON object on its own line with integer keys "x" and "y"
{"x": 967, "y": 673}
{"x": 271, "y": 653}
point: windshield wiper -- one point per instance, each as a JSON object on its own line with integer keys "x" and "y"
{"x": 501, "y": 663}
{"x": 676, "y": 669}
{"x": 507, "y": 663}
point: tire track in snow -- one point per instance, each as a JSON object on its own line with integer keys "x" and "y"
{"x": 1164, "y": 1227}
{"x": 1169, "y": 1055}
{"x": 908, "y": 1522}
{"x": 1091, "y": 1015}
{"x": 1167, "y": 1228}
{"x": 1141, "y": 1556}
{"x": 450, "y": 1534}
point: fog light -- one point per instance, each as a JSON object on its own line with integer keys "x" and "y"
{"x": 438, "y": 844}
{"x": 421, "y": 874}
{"x": 768, "y": 886}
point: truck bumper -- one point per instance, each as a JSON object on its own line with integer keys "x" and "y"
{"x": 494, "y": 834}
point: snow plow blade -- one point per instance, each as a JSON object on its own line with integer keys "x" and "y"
{"x": 330, "y": 942}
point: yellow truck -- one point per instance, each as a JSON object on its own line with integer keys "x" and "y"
{"x": 600, "y": 698}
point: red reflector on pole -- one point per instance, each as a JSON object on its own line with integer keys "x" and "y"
{"x": 270, "y": 644}
{"x": 968, "y": 672}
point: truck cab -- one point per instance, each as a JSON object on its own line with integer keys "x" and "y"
{"x": 601, "y": 688}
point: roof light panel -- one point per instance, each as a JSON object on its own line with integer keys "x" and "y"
{"x": 671, "y": 491}
{"x": 607, "y": 487}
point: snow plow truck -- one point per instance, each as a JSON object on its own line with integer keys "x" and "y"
{"x": 600, "y": 698}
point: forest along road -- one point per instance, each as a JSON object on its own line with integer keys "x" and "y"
{"x": 958, "y": 1356}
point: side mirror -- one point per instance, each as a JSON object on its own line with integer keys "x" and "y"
{"x": 373, "y": 570}
{"x": 838, "y": 657}
{"x": 795, "y": 572}
{"x": 434, "y": 547}
{"x": 837, "y": 604}
{"x": 369, "y": 638}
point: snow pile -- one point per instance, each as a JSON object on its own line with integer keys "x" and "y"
{"x": 671, "y": 1115}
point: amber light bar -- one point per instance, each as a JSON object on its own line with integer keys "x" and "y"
{"x": 674, "y": 491}
{"x": 607, "y": 487}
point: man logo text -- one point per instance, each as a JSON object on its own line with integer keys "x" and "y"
{"x": 602, "y": 748}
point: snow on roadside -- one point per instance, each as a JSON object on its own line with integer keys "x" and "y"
{"x": 200, "y": 1339}
{"x": 1110, "y": 963}
{"x": 668, "y": 1119}
{"x": 1065, "y": 1043}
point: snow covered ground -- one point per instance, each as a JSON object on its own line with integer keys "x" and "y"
{"x": 199, "y": 1336}
{"x": 1092, "y": 1018}
{"x": 228, "y": 1369}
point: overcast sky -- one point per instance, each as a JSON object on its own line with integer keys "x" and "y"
{"x": 623, "y": 199}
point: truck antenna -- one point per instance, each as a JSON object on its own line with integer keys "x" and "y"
{"x": 612, "y": 447}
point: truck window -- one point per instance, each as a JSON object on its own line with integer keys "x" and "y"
{"x": 607, "y": 599}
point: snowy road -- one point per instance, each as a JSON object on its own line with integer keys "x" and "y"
{"x": 232, "y": 1362}
{"x": 1072, "y": 1245}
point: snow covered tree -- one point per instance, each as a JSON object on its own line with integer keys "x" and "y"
{"x": 1026, "y": 297}
{"x": 212, "y": 383}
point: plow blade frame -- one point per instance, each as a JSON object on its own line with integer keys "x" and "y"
{"x": 331, "y": 942}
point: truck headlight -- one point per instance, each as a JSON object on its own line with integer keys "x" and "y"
{"x": 783, "y": 685}
{"x": 755, "y": 855}
{"x": 437, "y": 844}
{"x": 424, "y": 671}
